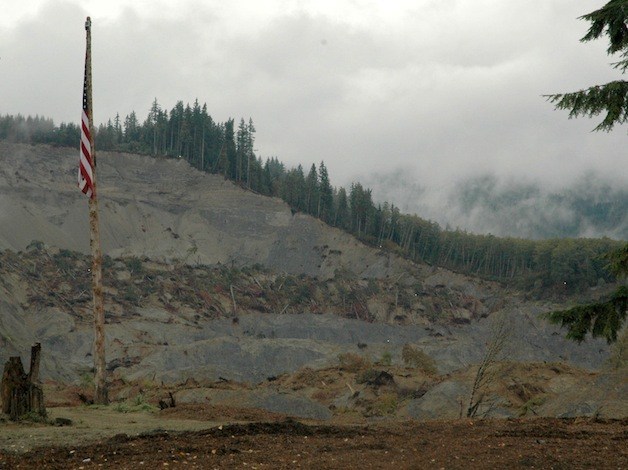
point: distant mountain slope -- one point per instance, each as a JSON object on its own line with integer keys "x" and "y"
{"x": 590, "y": 206}
{"x": 164, "y": 209}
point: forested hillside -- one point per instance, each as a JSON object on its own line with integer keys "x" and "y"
{"x": 190, "y": 133}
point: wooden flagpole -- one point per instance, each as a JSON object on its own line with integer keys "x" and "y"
{"x": 101, "y": 396}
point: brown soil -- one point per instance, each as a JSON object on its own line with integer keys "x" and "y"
{"x": 271, "y": 441}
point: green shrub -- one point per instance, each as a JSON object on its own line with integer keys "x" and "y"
{"x": 131, "y": 294}
{"x": 87, "y": 380}
{"x": 386, "y": 359}
{"x": 134, "y": 264}
{"x": 136, "y": 405}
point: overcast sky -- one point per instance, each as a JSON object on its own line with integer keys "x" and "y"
{"x": 441, "y": 89}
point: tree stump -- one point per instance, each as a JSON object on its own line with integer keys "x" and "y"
{"x": 22, "y": 393}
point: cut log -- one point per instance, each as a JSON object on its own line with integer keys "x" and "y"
{"x": 22, "y": 394}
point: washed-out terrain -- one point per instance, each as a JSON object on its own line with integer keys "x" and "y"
{"x": 245, "y": 312}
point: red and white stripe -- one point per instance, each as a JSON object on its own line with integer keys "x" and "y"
{"x": 85, "y": 173}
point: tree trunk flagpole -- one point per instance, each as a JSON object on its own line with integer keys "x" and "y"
{"x": 87, "y": 184}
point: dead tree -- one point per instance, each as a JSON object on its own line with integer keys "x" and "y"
{"x": 22, "y": 393}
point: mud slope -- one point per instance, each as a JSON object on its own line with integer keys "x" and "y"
{"x": 163, "y": 330}
{"x": 164, "y": 209}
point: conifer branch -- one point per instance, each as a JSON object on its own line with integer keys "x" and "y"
{"x": 611, "y": 97}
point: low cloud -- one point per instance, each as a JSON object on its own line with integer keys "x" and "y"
{"x": 590, "y": 206}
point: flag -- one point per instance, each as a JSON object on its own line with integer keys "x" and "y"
{"x": 85, "y": 173}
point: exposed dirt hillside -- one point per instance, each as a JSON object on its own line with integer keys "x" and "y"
{"x": 207, "y": 284}
{"x": 165, "y": 210}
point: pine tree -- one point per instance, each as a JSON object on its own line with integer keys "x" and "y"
{"x": 293, "y": 188}
{"x": 151, "y": 123}
{"x": 325, "y": 194}
{"x": 131, "y": 127}
{"x": 341, "y": 216}
{"x": 250, "y": 154}
{"x": 362, "y": 209}
{"x": 230, "y": 149}
{"x": 118, "y": 129}
{"x": 606, "y": 318}
{"x": 241, "y": 148}
{"x": 311, "y": 191}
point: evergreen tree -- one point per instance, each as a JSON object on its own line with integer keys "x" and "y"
{"x": 118, "y": 129}
{"x": 222, "y": 164}
{"x": 362, "y": 209}
{"x": 230, "y": 150}
{"x": 206, "y": 124}
{"x": 311, "y": 191}
{"x": 130, "y": 127}
{"x": 604, "y": 318}
{"x": 106, "y": 136}
{"x": 276, "y": 173}
{"x": 341, "y": 215}
{"x": 293, "y": 188}
{"x": 250, "y": 155}
{"x": 325, "y": 195}
{"x": 152, "y": 122}
{"x": 243, "y": 151}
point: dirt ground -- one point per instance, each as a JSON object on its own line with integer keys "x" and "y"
{"x": 198, "y": 436}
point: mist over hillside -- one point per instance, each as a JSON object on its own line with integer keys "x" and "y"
{"x": 589, "y": 206}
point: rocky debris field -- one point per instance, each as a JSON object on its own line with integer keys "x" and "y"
{"x": 296, "y": 345}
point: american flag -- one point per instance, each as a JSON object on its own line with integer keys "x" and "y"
{"x": 85, "y": 173}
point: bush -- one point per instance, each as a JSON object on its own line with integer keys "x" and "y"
{"x": 367, "y": 375}
{"x": 136, "y": 405}
{"x": 132, "y": 295}
{"x": 386, "y": 359}
{"x": 35, "y": 245}
{"x": 416, "y": 358}
{"x": 350, "y": 362}
{"x": 65, "y": 260}
{"x": 386, "y": 404}
{"x": 372, "y": 287}
{"x": 134, "y": 264}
